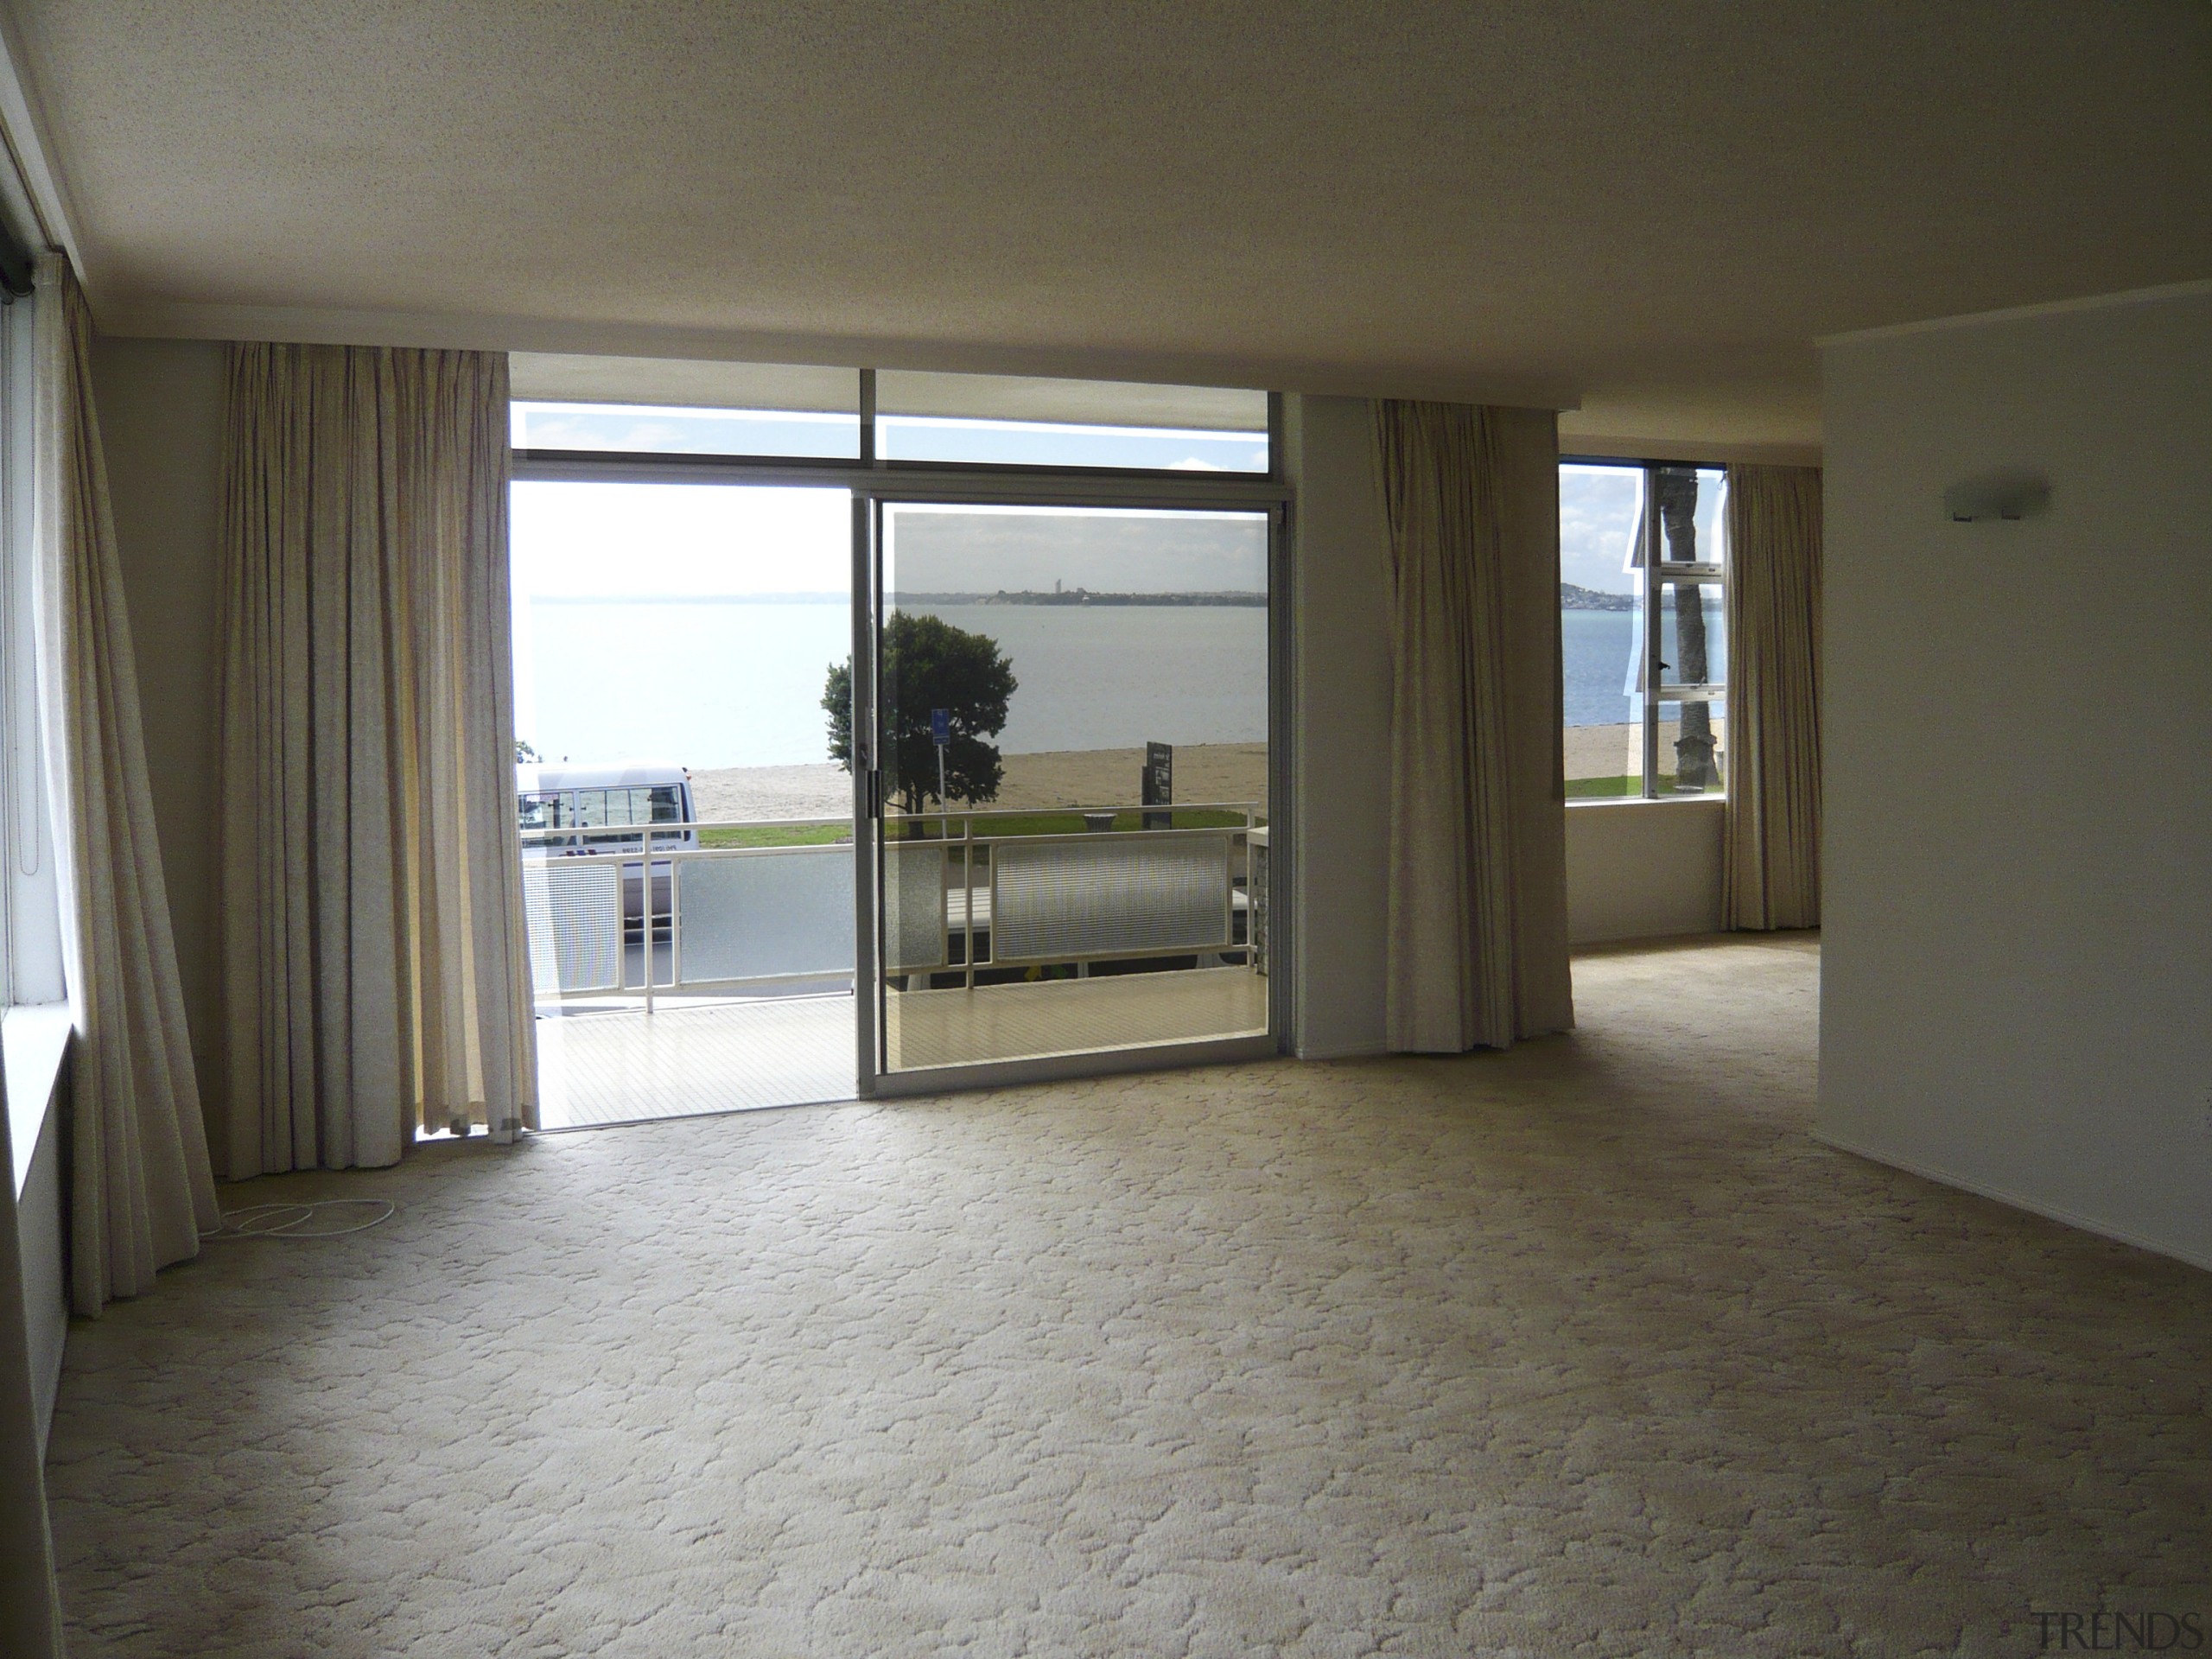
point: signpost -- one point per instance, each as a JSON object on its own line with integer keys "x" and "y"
{"x": 1158, "y": 784}
{"x": 941, "y": 734}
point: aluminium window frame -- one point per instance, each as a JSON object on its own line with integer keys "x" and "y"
{"x": 1656, "y": 574}
{"x": 820, "y": 468}
{"x": 874, "y": 482}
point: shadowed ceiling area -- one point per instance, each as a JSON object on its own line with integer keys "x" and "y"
{"x": 1653, "y": 209}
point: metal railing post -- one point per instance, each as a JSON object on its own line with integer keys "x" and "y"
{"x": 646, "y": 915}
{"x": 676, "y": 862}
{"x": 968, "y": 896}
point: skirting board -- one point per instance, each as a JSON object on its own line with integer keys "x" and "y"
{"x": 1984, "y": 1189}
{"x": 1344, "y": 1052}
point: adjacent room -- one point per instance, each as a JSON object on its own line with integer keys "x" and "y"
{"x": 1048, "y": 829}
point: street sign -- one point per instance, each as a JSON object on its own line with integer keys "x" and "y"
{"x": 1158, "y": 784}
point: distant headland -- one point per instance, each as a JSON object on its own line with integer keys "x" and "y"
{"x": 1573, "y": 598}
{"x": 1081, "y": 596}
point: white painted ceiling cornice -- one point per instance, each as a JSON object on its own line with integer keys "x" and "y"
{"x": 334, "y": 327}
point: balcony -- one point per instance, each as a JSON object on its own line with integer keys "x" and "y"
{"x": 694, "y": 968}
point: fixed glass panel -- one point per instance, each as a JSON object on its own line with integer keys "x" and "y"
{"x": 1601, "y": 628}
{"x": 1693, "y": 747}
{"x": 1689, "y": 503}
{"x": 1633, "y": 535}
{"x": 1004, "y": 420}
{"x": 651, "y": 406}
{"x": 572, "y": 912}
{"x": 1703, "y": 661}
{"x": 1073, "y": 732}
{"x": 761, "y": 916}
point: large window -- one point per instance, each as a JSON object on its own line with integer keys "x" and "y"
{"x": 627, "y": 405}
{"x": 1642, "y": 575}
{"x": 998, "y": 420}
{"x": 886, "y": 729}
{"x": 566, "y": 408}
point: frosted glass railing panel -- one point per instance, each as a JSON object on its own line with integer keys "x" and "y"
{"x": 774, "y": 913}
{"x": 1056, "y": 899}
{"x": 572, "y": 911}
{"x": 913, "y": 906}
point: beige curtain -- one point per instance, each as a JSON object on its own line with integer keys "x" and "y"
{"x": 140, "y": 1189}
{"x": 374, "y": 971}
{"x": 1478, "y": 878}
{"x": 1771, "y": 877}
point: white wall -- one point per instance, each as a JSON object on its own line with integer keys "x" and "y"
{"x": 1342, "y": 718}
{"x": 39, "y": 1230}
{"x": 1634, "y": 869}
{"x": 1642, "y": 869}
{"x": 2017, "y": 985}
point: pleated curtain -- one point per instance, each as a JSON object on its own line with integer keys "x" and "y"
{"x": 1771, "y": 873}
{"x": 140, "y": 1188}
{"x": 373, "y": 961}
{"x": 1476, "y": 928}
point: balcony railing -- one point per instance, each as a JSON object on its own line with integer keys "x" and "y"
{"x": 967, "y": 896}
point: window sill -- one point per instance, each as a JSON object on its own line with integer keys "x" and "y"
{"x": 34, "y": 1043}
{"x": 1578, "y": 804}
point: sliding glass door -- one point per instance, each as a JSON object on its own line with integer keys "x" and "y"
{"x": 1048, "y": 724}
{"x": 1065, "y": 737}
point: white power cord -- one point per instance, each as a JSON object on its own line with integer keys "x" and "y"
{"x": 283, "y": 1220}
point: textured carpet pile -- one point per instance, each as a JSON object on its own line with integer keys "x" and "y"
{"x": 1586, "y": 1348}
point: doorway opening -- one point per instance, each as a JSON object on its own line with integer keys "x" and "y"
{"x": 687, "y": 861}
{"x": 880, "y": 733}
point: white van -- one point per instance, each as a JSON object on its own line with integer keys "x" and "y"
{"x": 593, "y": 804}
{"x": 600, "y": 812}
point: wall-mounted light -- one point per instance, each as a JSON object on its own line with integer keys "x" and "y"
{"x": 1997, "y": 495}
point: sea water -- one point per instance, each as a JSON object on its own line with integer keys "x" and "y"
{"x": 710, "y": 684}
{"x": 1601, "y": 658}
{"x": 739, "y": 684}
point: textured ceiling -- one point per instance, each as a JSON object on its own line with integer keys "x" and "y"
{"x": 1654, "y": 208}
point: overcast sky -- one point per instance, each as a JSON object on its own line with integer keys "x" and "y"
{"x": 634, "y": 541}
{"x": 631, "y": 540}
{"x": 1598, "y": 510}
{"x": 1597, "y": 516}
{"x": 974, "y": 551}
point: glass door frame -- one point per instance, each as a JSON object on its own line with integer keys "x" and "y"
{"x": 1266, "y": 498}
{"x": 874, "y": 483}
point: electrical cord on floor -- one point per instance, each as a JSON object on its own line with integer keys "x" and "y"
{"x": 296, "y": 1220}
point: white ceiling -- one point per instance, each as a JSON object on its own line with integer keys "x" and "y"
{"x": 1655, "y": 208}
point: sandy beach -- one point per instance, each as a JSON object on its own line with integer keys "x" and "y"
{"x": 1072, "y": 778}
{"x": 1616, "y": 750}
{"x": 1066, "y": 777}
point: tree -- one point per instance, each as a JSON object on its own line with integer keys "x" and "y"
{"x": 524, "y": 754}
{"x": 927, "y": 664}
{"x": 1694, "y": 767}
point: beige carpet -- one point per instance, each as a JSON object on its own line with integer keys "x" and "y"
{"x": 1586, "y": 1348}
